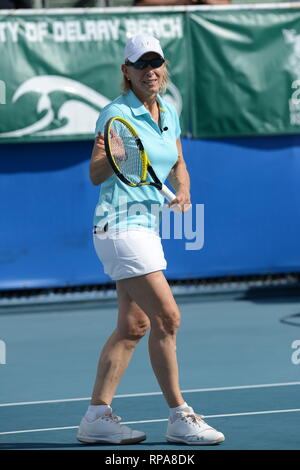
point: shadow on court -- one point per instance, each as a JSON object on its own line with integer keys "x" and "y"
{"x": 283, "y": 295}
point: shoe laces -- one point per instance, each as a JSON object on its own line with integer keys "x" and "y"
{"x": 111, "y": 417}
{"x": 192, "y": 418}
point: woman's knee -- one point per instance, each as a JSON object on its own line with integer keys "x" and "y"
{"x": 134, "y": 331}
{"x": 167, "y": 322}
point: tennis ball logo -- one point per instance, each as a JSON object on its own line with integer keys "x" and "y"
{"x": 295, "y": 358}
{"x": 2, "y": 352}
{"x": 2, "y": 92}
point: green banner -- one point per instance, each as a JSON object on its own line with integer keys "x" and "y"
{"x": 59, "y": 70}
{"x": 246, "y": 72}
{"x": 233, "y": 71}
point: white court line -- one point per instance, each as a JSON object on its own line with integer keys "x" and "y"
{"x": 147, "y": 394}
{"x": 159, "y": 420}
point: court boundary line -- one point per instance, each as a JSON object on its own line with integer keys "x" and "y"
{"x": 129, "y": 395}
{"x": 247, "y": 413}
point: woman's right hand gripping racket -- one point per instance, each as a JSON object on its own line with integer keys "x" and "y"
{"x": 128, "y": 158}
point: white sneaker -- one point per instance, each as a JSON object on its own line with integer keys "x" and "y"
{"x": 189, "y": 428}
{"x": 107, "y": 429}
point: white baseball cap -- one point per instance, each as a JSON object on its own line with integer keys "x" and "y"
{"x": 140, "y": 45}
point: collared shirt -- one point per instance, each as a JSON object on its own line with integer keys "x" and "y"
{"x": 120, "y": 205}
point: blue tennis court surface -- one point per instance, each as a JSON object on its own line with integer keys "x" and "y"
{"x": 237, "y": 367}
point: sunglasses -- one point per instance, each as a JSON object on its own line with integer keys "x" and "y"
{"x": 143, "y": 64}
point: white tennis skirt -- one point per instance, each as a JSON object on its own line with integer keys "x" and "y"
{"x": 129, "y": 253}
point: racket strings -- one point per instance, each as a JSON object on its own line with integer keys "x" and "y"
{"x": 125, "y": 151}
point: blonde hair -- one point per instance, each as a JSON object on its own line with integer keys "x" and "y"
{"x": 126, "y": 85}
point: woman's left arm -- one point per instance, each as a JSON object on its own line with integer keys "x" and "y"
{"x": 180, "y": 181}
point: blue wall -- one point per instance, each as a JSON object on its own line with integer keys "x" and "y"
{"x": 249, "y": 188}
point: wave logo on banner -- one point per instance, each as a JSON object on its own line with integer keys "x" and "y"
{"x": 76, "y": 115}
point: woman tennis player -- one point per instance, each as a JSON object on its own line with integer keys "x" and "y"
{"x": 127, "y": 242}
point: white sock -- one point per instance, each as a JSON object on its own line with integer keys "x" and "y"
{"x": 173, "y": 411}
{"x": 95, "y": 411}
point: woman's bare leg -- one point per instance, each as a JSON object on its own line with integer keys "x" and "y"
{"x": 117, "y": 352}
{"x": 154, "y": 296}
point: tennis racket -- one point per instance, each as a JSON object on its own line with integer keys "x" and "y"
{"x": 128, "y": 158}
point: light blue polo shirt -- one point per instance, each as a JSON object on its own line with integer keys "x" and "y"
{"x": 120, "y": 205}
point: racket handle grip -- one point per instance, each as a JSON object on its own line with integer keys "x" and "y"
{"x": 165, "y": 191}
{"x": 170, "y": 197}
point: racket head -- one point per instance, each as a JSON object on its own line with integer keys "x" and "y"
{"x": 125, "y": 151}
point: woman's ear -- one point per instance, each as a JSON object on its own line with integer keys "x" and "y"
{"x": 124, "y": 70}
